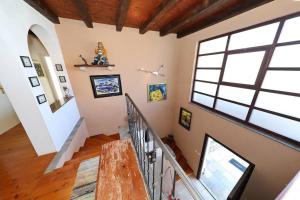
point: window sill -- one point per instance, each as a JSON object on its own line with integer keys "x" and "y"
{"x": 273, "y": 137}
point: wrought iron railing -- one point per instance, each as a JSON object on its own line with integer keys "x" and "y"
{"x": 157, "y": 162}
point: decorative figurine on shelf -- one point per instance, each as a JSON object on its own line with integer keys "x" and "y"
{"x": 101, "y": 55}
{"x": 67, "y": 92}
{"x": 83, "y": 59}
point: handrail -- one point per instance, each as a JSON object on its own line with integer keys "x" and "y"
{"x": 186, "y": 181}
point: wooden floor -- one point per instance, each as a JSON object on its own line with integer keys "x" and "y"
{"x": 21, "y": 170}
{"x": 119, "y": 175}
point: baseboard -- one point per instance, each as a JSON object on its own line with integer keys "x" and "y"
{"x": 71, "y": 145}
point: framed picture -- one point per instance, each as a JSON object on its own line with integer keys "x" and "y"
{"x": 34, "y": 81}
{"x": 106, "y": 85}
{"x": 26, "y": 61}
{"x": 185, "y": 118}
{"x": 39, "y": 69}
{"x": 41, "y": 99}
{"x": 157, "y": 92}
{"x": 58, "y": 67}
{"x": 62, "y": 79}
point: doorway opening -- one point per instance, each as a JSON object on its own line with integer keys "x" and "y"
{"x": 45, "y": 71}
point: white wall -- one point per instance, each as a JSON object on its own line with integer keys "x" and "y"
{"x": 275, "y": 163}
{"x": 46, "y": 130}
{"x": 8, "y": 117}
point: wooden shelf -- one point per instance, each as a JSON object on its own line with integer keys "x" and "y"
{"x": 84, "y": 65}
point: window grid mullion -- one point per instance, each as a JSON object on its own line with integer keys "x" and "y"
{"x": 263, "y": 70}
{"x": 222, "y": 71}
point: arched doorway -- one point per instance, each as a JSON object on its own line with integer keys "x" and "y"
{"x": 44, "y": 67}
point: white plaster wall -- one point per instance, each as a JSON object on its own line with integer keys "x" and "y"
{"x": 8, "y": 117}
{"x": 46, "y": 130}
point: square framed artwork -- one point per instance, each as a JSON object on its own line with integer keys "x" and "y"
{"x": 185, "y": 118}
{"x": 106, "y": 85}
{"x": 39, "y": 69}
{"x": 157, "y": 92}
{"x": 59, "y": 67}
{"x": 41, "y": 99}
{"x": 34, "y": 81}
{"x": 26, "y": 61}
{"x": 62, "y": 79}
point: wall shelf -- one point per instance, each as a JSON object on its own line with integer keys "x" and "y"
{"x": 87, "y": 65}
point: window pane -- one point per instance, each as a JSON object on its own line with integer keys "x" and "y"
{"x": 206, "y": 88}
{"x": 254, "y": 37}
{"x": 208, "y": 75}
{"x": 286, "y": 56}
{"x": 282, "y": 80}
{"x": 202, "y": 99}
{"x": 243, "y": 68}
{"x": 280, "y": 125}
{"x": 236, "y": 94}
{"x": 215, "y": 45}
{"x": 210, "y": 61}
{"x": 290, "y": 31}
{"x": 232, "y": 109}
{"x": 284, "y": 104}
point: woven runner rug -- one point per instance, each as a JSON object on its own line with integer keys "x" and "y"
{"x": 85, "y": 183}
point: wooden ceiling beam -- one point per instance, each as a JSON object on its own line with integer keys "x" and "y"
{"x": 84, "y": 12}
{"x": 214, "y": 19}
{"x": 122, "y": 14}
{"x": 41, "y": 7}
{"x": 192, "y": 15}
{"x": 160, "y": 10}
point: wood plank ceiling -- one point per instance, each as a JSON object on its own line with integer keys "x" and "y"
{"x": 182, "y": 17}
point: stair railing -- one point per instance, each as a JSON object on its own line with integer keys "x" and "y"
{"x": 157, "y": 162}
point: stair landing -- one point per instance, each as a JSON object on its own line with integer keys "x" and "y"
{"x": 119, "y": 174}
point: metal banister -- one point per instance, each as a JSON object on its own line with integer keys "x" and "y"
{"x": 165, "y": 151}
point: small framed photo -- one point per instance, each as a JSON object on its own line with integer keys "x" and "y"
{"x": 62, "y": 79}
{"x": 185, "y": 118}
{"x": 106, "y": 85}
{"x": 59, "y": 67}
{"x": 26, "y": 61}
{"x": 41, "y": 99}
{"x": 39, "y": 69}
{"x": 34, "y": 81}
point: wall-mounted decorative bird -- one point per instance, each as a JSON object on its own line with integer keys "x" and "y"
{"x": 155, "y": 73}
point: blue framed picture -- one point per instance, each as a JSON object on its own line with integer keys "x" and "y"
{"x": 157, "y": 92}
{"x": 106, "y": 85}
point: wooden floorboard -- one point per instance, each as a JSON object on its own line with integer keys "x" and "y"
{"x": 21, "y": 170}
{"x": 119, "y": 176}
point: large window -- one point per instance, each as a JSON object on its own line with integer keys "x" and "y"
{"x": 253, "y": 76}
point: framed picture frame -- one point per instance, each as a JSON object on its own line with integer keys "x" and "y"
{"x": 106, "y": 85}
{"x": 41, "y": 98}
{"x": 59, "y": 67}
{"x": 62, "y": 79}
{"x": 39, "y": 69}
{"x": 157, "y": 92}
{"x": 34, "y": 81}
{"x": 26, "y": 61}
{"x": 185, "y": 118}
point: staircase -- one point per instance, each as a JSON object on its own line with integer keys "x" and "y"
{"x": 179, "y": 157}
{"x": 92, "y": 147}
{"x": 64, "y": 177}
